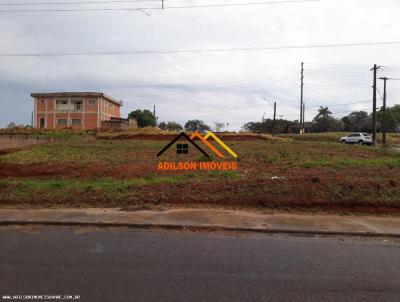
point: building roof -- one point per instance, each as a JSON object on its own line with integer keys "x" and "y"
{"x": 184, "y": 135}
{"x": 76, "y": 94}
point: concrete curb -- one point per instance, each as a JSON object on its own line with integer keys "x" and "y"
{"x": 181, "y": 227}
{"x": 202, "y": 219}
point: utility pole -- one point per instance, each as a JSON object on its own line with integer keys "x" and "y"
{"x": 301, "y": 99}
{"x": 304, "y": 114}
{"x": 384, "y": 111}
{"x": 154, "y": 113}
{"x": 273, "y": 122}
{"x": 162, "y": 4}
{"x": 375, "y": 69}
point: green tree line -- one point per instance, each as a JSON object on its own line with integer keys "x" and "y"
{"x": 324, "y": 121}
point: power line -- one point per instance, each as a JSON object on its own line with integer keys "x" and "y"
{"x": 379, "y": 93}
{"x": 333, "y": 105}
{"x": 155, "y": 8}
{"x": 335, "y": 65}
{"x": 75, "y": 3}
{"x": 326, "y": 105}
{"x": 143, "y": 52}
{"x": 337, "y": 112}
{"x": 341, "y": 112}
{"x": 315, "y": 112}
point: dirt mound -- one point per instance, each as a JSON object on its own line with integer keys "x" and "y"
{"x": 169, "y": 137}
{"x": 150, "y": 137}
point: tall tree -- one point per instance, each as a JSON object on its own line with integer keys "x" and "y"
{"x": 174, "y": 126}
{"x": 11, "y": 125}
{"x": 170, "y": 126}
{"x": 325, "y": 122}
{"x": 281, "y": 126}
{"x": 357, "y": 121}
{"x": 196, "y": 125}
{"x": 144, "y": 118}
{"x": 392, "y": 118}
{"x": 323, "y": 112}
{"x": 219, "y": 126}
{"x": 162, "y": 126}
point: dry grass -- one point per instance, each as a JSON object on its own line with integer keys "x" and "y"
{"x": 116, "y": 134}
{"x": 263, "y": 136}
{"x": 151, "y": 131}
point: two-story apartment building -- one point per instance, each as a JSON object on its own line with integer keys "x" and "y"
{"x": 85, "y": 110}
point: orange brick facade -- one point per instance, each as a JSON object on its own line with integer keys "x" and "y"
{"x": 76, "y": 111}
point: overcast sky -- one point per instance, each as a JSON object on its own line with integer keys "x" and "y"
{"x": 213, "y": 86}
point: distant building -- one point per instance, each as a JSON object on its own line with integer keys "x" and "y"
{"x": 119, "y": 123}
{"x": 77, "y": 110}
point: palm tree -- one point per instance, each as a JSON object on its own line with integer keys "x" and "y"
{"x": 323, "y": 112}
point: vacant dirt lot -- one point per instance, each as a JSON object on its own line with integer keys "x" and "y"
{"x": 274, "y": 174}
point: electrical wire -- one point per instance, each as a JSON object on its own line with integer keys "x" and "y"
{"x": 333, "y": 105}
{"x": 178, "y": 51}
{"x": 75, "y": 3}
{"x": 157, "y": 8}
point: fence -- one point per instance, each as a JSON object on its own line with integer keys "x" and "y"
{"x": 19, "y": 141}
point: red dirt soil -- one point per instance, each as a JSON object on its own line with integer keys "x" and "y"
{"x": 290, "y": 194}
{"x": 300, "y": 189}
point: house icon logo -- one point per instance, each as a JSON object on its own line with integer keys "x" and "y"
{"x": 205, "y": 148}
{"x": 184, "y": 148}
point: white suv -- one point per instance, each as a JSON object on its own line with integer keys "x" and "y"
{"x": 357, "y": 138}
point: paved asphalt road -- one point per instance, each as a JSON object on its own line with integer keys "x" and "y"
{"x": 133, "y": 265}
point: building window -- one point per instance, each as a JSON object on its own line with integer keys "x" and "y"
{"x": 77, "y": 105}
{"x": 76, "y": 121}
{"x": 62, "y": 105}
{"x": 92, "y": 102}
{"x": 62, "y": 102}
{"x": 73, "y": 105}
{"x": 62, "y": 122}
{"x": 182, "y": 148}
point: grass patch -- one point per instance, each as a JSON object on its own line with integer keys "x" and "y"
{"x": 107, "y": 184}
{"x": 83, "y": 151}
{"x": 68, "y": 190}
{"x": 81, "y": 170}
